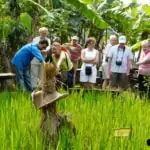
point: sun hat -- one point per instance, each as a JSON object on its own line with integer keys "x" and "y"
{"x": 122, "y": 39}
{"x": 41, "y": 99}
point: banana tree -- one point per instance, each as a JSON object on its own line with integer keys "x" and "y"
{"x": 110, "y": 12}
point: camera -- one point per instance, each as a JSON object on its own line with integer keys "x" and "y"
{"x": 106, "y": 59}
{"x": 118, "y": 63}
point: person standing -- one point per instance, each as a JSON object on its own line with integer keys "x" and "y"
{"x": 144, "y": 70}
{"x": 21, "y": 62}
{"x": 89, "y": 57}
{"x": 36, "y": 68}
{"x": 74, "y": 49}
{"x": 105, "y": 70}
{"x": 120, "y": 59}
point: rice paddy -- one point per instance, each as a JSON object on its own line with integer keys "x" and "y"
{"x": 95, "y": 115}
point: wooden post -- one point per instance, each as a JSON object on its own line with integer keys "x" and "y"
{"x": 45, "y": 100}
{"x": 49, "y": 123}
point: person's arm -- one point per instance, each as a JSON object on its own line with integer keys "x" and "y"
{"x": 62, "y": 57}
{"x": 110, "y": 55}
{"x": 145, "y": 61}
{"x": 130, "y": 58}
{"x": 36, "y": 52}
{"x": 109, "y": 65}
{"x": 83, "y": 58}
{"x": 80, "y": 50}
{"x": 96, "y": 60}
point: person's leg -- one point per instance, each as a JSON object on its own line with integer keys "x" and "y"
{"x": 105, "y": 83}
{"x": 105, "y": 74}
{"x": 142, "y": 88}
{"x": 70, "y": 78}
{"x": 92, "y": 77}
{"x": 123, "y": 81}
{"x": 20, "y": 79}
{"x": 27, "y": 80}
{"x": 114, "y": 81}
{"x": 75, "y": 66}
{"x": 83, "y": 77}
{"x": 85, "y": 85}
{"x": 91, "y": 85}
{"x": 141, "y": 83}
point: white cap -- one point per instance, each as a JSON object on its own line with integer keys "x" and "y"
{"x": 75, "y": 38}
{"x": 122, "y": 39}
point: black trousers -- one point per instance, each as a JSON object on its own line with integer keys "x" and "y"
{"x": 70, "y": 78}
{"x": 69, "y": 81}
{"x": 144, "y": 86}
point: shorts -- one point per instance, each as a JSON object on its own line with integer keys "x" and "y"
{"x": 119, "y": 79}
{"x": 105, "y": 71}
{"x": 88, "y": 78}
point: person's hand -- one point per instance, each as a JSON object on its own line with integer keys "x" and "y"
{"x": 138, "y": 63}
{"x": 57, "y": 66}
{"x": 58, "y": 73}
{"x": 43, "y": 63}
{"x": 94, "y": 61}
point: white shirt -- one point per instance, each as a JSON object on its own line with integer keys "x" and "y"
{"x": 105, "y": 52}
{"x": 120, "y": 55}
{"x": 89, "y": 55}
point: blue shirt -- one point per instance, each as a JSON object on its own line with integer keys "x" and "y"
{"x": 24, "y": 56}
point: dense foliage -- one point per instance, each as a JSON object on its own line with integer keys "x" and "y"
{"x": 21, "y": 19}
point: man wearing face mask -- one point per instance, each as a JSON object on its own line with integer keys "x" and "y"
{"x": 120, "y": 58}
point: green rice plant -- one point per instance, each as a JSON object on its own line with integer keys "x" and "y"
{"x": 95, "y": 116}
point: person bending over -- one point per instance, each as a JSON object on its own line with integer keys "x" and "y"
{"x": 63, "y": 64}
{"x": 21, "y": 62}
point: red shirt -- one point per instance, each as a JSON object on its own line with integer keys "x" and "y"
{"x": 75, "y": 51}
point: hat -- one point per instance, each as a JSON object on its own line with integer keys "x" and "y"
{"x": 122, "y": 39}
{"x": 75, "y": 38}
{"x": 41, "y": 99}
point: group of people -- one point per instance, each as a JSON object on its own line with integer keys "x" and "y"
{"x": 118, "y": 61}
{"x": 28, "y": 61}
{"x": 116, "y": 65}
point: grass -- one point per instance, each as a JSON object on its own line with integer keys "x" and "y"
{"x": 94, "y": 115}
